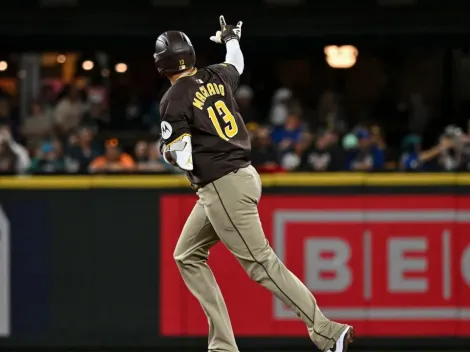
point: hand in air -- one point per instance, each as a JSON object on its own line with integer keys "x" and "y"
{"x": 227, "y": 32}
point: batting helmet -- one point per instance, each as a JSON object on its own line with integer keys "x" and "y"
{"x": 174, "y": 52}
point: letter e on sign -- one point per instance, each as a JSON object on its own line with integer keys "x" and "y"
{"x": 399, "y": 265}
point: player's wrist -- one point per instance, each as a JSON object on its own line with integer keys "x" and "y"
{"x": 232, "y": 39}
{"x": 229, "y": 38}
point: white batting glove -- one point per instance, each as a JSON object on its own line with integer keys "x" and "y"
{"x": 217, "y": 37}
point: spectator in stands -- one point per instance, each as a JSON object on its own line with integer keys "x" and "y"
{"x": 280, "y": 106}
{"x": 377, "y": 137}
{"x": 140, "y": 152}
{"x": 39, "y": 125}
{"x": 252, "y": 128}
{"x": 244, "y": 98}
{"x": 149, "y": 160}
{"x": 292, "y": 157}
{"x": 69, "y": 111}
{"x": 8, "y": 159}
{"x": 465, "y": 152}
{"x": 21, "y": 160}
{"x": 47, "y": 99}
{"x": 7, "y": 116}
{"x": 5, "y": 113}
{"x": 349, "y": 142}
{"x": 114, "y": 160}
{"x": 81, "y": 151}
{"x": 366, "y": 157}
{"x": 325, "y": 154}
{"x": 410, "y": 159}
{"x": 287, "y": 136}
{"x": 329, "y": 112}
{"x": 450, "y": 159}
{"x": 416, "y": 159}
{"x": 96, "y": 117}
{"x": 378, "y": 141}
{"x": 48, "y": 159}
{"x": 134, "y": 114}
{"x": 264, "y": 155}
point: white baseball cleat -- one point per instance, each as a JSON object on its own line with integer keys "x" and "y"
{"x": 344, "y": 340}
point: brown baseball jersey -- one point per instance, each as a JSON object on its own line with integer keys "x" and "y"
{"x": 203, "y": 106}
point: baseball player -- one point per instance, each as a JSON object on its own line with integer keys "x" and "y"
{"x": 204, "y": 135}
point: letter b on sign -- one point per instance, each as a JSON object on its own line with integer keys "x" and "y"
{"x": 326, "y": 265}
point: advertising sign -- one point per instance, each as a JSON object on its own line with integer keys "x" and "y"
{"x": 390, "y": 265}
{"x": 4, "y": 275}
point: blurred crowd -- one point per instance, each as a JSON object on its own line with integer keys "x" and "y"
{"x": 71, "y": 132}
{"x": 324, "y": 140}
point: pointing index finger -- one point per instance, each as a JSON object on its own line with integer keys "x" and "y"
{"x": 222, "y": 21}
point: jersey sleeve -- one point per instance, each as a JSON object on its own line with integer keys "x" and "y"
{"x": 174, "y": 121}
{"x": 229, "y": 74}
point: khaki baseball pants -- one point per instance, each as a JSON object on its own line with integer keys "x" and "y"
{"x": 227, "y": 211}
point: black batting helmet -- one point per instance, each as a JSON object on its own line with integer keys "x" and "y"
{"x": 174, "y": 52}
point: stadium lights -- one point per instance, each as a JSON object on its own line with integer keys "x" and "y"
{"x": 341, "y": 56}
{"x": 3, "y": 65}
{"x": 121, "y": 67}
{"x": 61, "y": 59}
{"x": 88, "y": 65}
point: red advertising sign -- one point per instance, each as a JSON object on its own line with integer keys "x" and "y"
{"x": 390, "y": 265}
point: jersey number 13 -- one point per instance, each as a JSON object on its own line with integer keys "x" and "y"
{"x": 221, "y": 112}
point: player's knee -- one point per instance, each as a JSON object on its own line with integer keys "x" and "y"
{"x": 179, "y": 255}
{"x": 258, "y": 270}
{"x": 179, "y": 259}
{"x": 255, "y": 271}
{"x": 183, "y": 257}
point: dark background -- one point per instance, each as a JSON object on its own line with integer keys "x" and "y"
{"x": 134, "y": 25}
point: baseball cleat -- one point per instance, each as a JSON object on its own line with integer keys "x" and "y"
{"x": 344, "y": 340}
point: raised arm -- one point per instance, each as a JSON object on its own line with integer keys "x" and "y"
{"x": 230, "y": 35}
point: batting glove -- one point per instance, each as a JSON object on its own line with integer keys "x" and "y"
{"x": 227, "y": 32}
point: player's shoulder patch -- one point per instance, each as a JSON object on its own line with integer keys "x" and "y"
{"x": 166, "y": 130}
